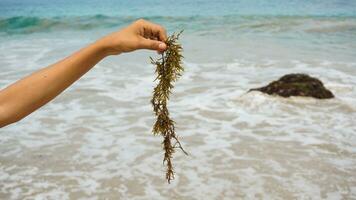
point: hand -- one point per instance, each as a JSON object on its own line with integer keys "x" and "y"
{"x": 141, "y": 34}
{"x": 30, "y": 93}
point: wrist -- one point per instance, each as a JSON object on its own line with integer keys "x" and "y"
{"x": 105, "y": 47}
{"x": 101, "y": 49}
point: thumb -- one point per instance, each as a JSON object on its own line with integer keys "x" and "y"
{"x": 152, "y": 45}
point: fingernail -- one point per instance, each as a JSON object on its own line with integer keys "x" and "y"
{"x": 162, "y": 46}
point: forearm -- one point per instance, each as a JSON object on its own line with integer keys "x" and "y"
{"x": 26, "y": 95}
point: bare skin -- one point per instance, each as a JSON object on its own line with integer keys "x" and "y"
{"x": 30, "y": 93}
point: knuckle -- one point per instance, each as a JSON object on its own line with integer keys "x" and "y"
{"x": 140, "y": 21}
{"x": 161, "y": 28}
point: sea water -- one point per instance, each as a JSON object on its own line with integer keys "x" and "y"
{"x": 94, "y": 141}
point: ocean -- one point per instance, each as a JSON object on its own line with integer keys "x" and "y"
{"x": 94, "y": 141}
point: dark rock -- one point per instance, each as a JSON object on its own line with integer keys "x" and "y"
{"x": 296, "y": 85}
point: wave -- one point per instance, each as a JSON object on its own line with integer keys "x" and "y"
{"x": 24, "y": 24}
{"x": 29, "y": 24}
{"x": 311, "y": 24}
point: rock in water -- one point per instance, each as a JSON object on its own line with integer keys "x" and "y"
{"x": 297, "y": 85}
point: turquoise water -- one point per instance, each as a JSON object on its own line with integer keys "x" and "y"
{"x": 94, "y": 141}
{"x": 303, "y": 23}
{"x": 39, "y": 15}
{"x": 146, "y": 8}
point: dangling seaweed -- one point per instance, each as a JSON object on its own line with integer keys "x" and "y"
{"x": 168, "y": 70}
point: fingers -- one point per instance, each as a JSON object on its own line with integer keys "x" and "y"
{"x": 153, "y": 36}
{"x": 152, "y": 31}
{"x": 153, "y": 45}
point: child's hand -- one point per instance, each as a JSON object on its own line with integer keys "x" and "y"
{"x": 139, "y": 35}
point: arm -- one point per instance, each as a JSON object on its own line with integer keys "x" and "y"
{"x": 27, "y": 95}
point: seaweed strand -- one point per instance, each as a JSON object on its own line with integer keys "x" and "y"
{"x": 168, "y": 69}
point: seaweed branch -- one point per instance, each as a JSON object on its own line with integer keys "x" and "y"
{"x": 168, "y": 69}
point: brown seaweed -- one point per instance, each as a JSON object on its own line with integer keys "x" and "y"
{"x": 168, "y": 69}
